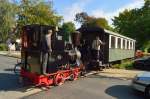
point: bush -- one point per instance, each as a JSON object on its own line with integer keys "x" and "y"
{"x": 116, "y": 66}
{"x": 3, "y": 47}
{"x": 127, "y": 65}
{"x": 124, "y": 65}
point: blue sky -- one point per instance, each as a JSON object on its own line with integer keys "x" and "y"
{"x": 97, "y": 8}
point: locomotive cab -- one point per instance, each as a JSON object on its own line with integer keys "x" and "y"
{"x": 32, "y": 45}
{"x": 32, "y": 53}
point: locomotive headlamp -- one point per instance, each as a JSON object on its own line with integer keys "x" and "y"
{"x": 59, "y": 57}
{"x": 29, "y": 57}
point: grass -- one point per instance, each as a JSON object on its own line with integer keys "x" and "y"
{"x": 128, "y": 64}
{"x": 3, "y": 47}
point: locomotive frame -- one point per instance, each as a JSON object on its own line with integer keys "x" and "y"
{"x": 58, "y": 69}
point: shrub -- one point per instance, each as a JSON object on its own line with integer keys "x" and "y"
{"x": 124, "y": 65}
{"x": 3, "y": 47}
{"x": 127, "y": 65}
{"x": 116, "y": 66}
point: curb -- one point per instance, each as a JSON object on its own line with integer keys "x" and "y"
{"x": 98, "y": 73}
{"x": 6, "y": 53}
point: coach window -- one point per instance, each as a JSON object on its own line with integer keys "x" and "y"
{"x": 131, "y": 45}
{"x": 134, "y": 45}
{"x": 119, "y": 43}
{"x": 128, "y": 44}
{"x": 112, "y": 42}
{"x": 124, "y": 43}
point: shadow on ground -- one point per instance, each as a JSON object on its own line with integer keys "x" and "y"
{"x": 122, "y": 91}
{"x": 10, "y": 82}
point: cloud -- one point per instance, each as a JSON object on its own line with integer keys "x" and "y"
{"x": 110, "y": 15}
{"x": 77, "y": 7}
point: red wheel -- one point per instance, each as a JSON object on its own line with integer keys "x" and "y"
{"x": 74, "y": 75}
{"x": 59, "y": 79}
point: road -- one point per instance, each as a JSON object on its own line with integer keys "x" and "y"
{"x": 9, "y": 86}
{"x": 8, "y": 80}
{"x": 91, "y": 87}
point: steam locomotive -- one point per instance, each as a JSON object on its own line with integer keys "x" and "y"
{"x": 61, "y": 64}
{"x": 69, "y": 59}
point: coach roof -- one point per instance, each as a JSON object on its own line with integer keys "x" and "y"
{"x": 117, "y": 34}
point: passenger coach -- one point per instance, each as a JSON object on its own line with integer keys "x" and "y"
{"x": 117, "y": 47}
{"x": 120, "y": 47}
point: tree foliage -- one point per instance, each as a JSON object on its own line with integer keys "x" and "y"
{"x": 81, "y": 17}
{"x": 67, "y": 29}
{"x": 85, "y": 20}
{"x": 135, "y": 23}
{"x": 7, "y": 18}
{"x": 25, "y": 12}
{"x": 37, "y": 12}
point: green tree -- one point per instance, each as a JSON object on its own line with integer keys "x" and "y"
{"x": 37, "y": 12}
{"x": 7, "y": 18}
{"x": 135, "y": 23}
{"x": 123, "y": 22}
{"x": 85, "y": 20}
{"x": 67, "y": 29}
{"x": 99, "y": 22}
{"x": 81, "y": 17}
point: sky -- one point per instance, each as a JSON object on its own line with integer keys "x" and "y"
{"x": 97, "y": 8}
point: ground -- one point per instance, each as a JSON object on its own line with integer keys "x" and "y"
{"x": 101, "y": 85}
{"x": 91, "y": 87}
{"x": 9, "y": 86}
{"x": 119, "y": 73}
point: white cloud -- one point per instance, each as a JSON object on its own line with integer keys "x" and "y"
{"x": 70, "y": 11}
{"x": 110, "y": 15}
{"x": 77, "y": 7}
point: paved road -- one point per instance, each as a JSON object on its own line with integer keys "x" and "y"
{"x": 9, "y": 86}
{"x": 8, "y": 80}
{"x": 92, "y": 87}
